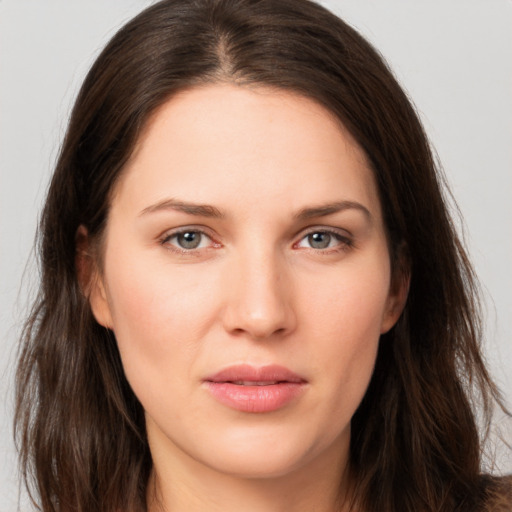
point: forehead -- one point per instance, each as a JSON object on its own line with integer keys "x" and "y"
{"x": 223, "y": 141}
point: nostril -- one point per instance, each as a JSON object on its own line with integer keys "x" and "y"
{"x": 259, "y": 304}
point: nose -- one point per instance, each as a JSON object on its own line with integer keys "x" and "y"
{"x": 260, "y": 303}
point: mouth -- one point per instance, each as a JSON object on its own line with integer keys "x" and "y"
{"x": 252, "y": 389}
{"x": 257, "y": 383}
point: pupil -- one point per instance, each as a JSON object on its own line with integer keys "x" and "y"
{"x": 319, "y": 240}
{"x": 189, "y": 240}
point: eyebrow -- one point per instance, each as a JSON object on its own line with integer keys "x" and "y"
{"x": 331, "y": 208}
{"x": 206, "y": 210}
{"x": 201, "y": 210}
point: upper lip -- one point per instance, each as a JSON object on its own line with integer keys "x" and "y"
{"x": 258, "y": 374}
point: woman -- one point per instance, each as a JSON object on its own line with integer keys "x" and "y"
{"x": 252, "y": 294}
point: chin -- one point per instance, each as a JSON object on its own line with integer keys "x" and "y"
{"x": 258, "y": 465}
{"x": 261, "y": 454}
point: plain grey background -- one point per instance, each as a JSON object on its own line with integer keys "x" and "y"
{"x": 453, "y": 57}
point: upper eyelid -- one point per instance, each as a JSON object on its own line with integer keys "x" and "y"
{"x": 344, "y": 233}
{"x": 169, "y": 233}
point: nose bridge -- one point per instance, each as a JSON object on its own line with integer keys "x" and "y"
{"x": 260, "y": 300}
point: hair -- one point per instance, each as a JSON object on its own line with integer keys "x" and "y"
{"x": 416, "y": 443}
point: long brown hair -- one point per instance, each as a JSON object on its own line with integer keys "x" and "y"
{"x": 415, "y": 442}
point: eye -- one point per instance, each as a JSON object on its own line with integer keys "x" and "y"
{"x": 324, "y": 239}
{"x": 188, "y": 240}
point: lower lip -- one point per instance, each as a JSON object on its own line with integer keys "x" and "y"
{"x": 256, "y": 399}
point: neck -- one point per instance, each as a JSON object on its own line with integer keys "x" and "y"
{"x": 185, "y": 485}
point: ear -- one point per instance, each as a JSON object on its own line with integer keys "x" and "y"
{"x": 89, "y": 278}
{"x": 398, "y": 292}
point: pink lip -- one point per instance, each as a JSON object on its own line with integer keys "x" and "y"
{"x": 274, "y": 387}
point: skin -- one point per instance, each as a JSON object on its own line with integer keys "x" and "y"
{"x": 256, "y": 290}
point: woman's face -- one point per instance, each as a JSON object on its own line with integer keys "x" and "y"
{"x": 246, "y": 277}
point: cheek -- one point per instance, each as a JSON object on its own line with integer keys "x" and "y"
{"x": 347, "y": 321}
{"x": 159, "y": 314}
{"x": 350, "y": 302}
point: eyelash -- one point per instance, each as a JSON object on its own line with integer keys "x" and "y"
{"x": 167, "y": 237}
{"x": 345, "y": 243}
